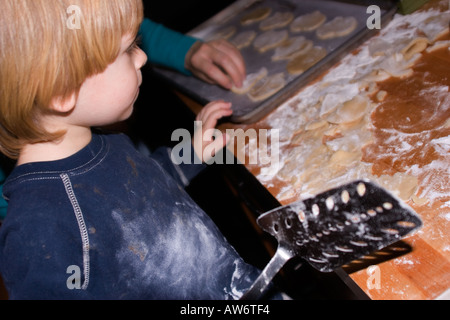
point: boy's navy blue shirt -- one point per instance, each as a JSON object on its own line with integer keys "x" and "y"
{"x": 123, "y": 220}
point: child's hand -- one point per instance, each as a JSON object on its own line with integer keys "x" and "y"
{"x": 208, "y": 140}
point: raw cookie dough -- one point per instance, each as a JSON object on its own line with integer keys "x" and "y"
{"x": 308, "y": 22}
{"x": 316, "y": 124}
{"x": 439, "y": 45}
{"x": 414, "y": 46}
{"x": 301, "y": 63}
{"x": 267, "y": 87}
{"x": 256, "y": 15}
{"x": 408, "y": 45}
{"x": 436, "y": 26}
{"x": 397, "y": 66}
{"x": 224, "y": 33}
{"x": 277, "y": 20}
{"x": 350, "y": 111}
{"x": 269, "y": 40}
{"x": 338, "y": 27}
{"x": 379, "y": 47}
{"x": 291, "y": 48}
{"x": 243, "y": 39}
{"x": 344, "y": 158}
{"x": 401, "y": 184}
{"x": 381, "y": 95}
{"x": 250, "y": 81}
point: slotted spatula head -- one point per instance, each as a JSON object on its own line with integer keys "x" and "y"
{"x": 340, "y": 225}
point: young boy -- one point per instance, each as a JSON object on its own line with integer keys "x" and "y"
{"x": 89, "y": 217}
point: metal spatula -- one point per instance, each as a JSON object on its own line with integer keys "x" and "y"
{"x": 334, "y": 228}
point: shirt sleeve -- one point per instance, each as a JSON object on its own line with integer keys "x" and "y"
{"x": 164, "y": 46}
{"x": 34, "y": 266}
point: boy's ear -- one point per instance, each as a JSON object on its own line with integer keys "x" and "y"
{"x": 64, "y": 104}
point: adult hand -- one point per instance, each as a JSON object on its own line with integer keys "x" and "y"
{"x": 216, "y": 62}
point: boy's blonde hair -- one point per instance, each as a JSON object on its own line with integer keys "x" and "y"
{"x": 48, "y": 48}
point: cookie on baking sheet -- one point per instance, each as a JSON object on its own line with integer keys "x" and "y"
{"x": 243, "y": 39}
{"x": 301, "y": 63}
{"x": 256, "y": 15}
{"x": 308, "y": 22}
{"x": 224, "y": 33}
{"x": 338, "y": 27}
{"x": 291, "y": 48}
{"x": 277, "y": 20}
{"x": 250, "y": 81}
{"x": 270, "y": 39}
{"x": 267, "y": 87}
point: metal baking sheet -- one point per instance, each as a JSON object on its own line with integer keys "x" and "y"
{"x": 244, "y": 109}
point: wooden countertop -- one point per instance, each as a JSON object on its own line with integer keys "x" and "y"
{"x": 410, "y": 132}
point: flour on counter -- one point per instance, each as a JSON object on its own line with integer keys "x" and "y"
{"x": 308, "y": 156}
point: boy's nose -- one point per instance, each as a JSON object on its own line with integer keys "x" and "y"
{"x": 142, "y": 59}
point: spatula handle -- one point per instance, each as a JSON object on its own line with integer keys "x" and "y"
{"x": 264, "y": 280}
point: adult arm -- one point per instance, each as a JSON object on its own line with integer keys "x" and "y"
{"x": 216, "y": 61}
{"x": 164, "y": 46}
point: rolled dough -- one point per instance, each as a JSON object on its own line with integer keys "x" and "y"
{"x": 401, "y": 184}
{"x": 316, "y": 124}
{"x": 414, "y": 46}
{"x": 338, "y": 27}
{"x": 267, "y": 87}
{"x": 301, "y": 63}
{"x": 379, "y": 47}
{"x": 439, "y": 45}
{"x": 381, "y": 95}
{"x": 436, "y": 26}
{"x": 277, "y": 20}
{"x": 250, "y": 81}
{"x": 350, "y": 111}
{"x": 256, "y": 15}
{"x": 269, "y": 40}
{"x": 408, "y": 46}
{"x": 224, "y": 33}
{"x": 243, "y": 39}
{"x": 308, "y": 22}
{"x": 291, "y": 48}
{"x": 397, "y": 66}
{"x": 344, "y": 158}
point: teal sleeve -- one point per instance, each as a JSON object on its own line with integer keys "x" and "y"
{"x": 164, "y": 46}
{"x": 3, "y": 204}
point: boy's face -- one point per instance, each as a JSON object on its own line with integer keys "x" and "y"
{"x": 108, "y": 97}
